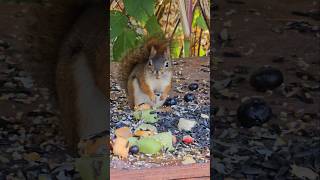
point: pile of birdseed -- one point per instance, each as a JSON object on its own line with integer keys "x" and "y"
{"x": 197, "y": 110}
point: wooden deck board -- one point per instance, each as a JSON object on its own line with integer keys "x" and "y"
{"x": 193, "y": 171}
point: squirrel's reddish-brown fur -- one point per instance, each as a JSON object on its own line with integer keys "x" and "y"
{"x": 139, "y": 55}
{"x": 90, "y": 40}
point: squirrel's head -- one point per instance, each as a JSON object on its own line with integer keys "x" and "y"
{"x": 159, "y": 63}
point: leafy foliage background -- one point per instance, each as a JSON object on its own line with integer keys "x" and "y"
{"x": 131, "y": 21}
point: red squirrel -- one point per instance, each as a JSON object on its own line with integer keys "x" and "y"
{"x": 147, "y": 73}
{"x": 81, "y": 77}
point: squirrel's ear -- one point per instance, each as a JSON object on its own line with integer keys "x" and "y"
{"x": 153, "y": 52}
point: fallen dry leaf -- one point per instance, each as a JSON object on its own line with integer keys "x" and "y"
{"x": 121, "y": 147}
{"x": 32, "y": 156}
{"x": 141, "y": 133}
{"x": 124, "y": 132}
{"x": 188, "y": 159}
{"x": 303, "y": 172}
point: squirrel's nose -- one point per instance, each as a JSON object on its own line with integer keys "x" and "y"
{"x": 157, "y": 75}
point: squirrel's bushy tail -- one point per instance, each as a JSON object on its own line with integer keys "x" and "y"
{"x": 139, "y": 55}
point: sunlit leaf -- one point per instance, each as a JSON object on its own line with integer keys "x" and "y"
{"x": 202, "y": 52}
{"x": 201, "y": 23}
{"x": 198, "y": 19}
{"x": 196, "y": 15}
{"x": 175, "y": 49}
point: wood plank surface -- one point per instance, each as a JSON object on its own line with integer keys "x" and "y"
{"x": 190, "y": 172}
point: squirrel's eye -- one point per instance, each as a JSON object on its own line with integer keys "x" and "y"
{"x": 166, "y": 64}
{"x": 150, "y": 63}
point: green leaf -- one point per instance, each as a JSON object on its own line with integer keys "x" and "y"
{"x": 118, "y": 22}
{"x": 149, "y": 145}
{"x": 165, "y": 139}
{"x": 147, "y": 115}
{"x": 137, "y": 115}
{"x": 92, "y": 167}
{"x": 201, "y": 23}
{"x": 186, "y": 48}
{"x": 196, "y": 15}
{"x": 124, "y": 42}
{"x": 202, "y": 52}
{"x": 198, "y": 19}
{"x": 153, "y": 26}
{"x": 175, "y": 49}
{"x": 141, "y": 10}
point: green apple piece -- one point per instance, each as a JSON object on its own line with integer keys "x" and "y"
{"x": 149, "y": 145}
{"x": 165, "y": 139}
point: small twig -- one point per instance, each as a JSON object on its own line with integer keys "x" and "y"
{"x": 157, "y": 11}
{"x": 180, "y": 55}
{"x": 195, "y": 43}
{"x": 199, "y": 43}
{"x": 159, "y": 7}
{"x": 118, "y": 5}
{"x": 165, "y": 30}
{"x": 175, "y": 28}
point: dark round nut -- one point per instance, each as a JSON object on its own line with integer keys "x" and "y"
{"x": 253, "y": 112}
{"x": 266, "y": 78}
{"x": 189, "y": 97}
{"x": 170, "y": 102}
{"x": 134, "y": 149}
{"x": 193, "y": 86}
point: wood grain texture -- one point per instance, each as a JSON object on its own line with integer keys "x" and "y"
{"x": 193, "y": 171}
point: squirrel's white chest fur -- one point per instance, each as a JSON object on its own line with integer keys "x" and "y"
{"x": 91, "y": 102}
{"x": 156, "y": 85}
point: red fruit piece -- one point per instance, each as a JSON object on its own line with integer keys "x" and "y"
{"x": 187, "y": 139}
